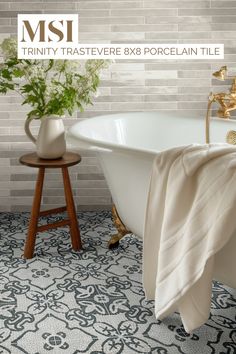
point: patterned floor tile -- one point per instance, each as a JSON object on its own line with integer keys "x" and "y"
{"x": 93, "y": 301}
{"x": 52, "y": 334}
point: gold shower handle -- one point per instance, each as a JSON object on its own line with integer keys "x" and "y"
{"x": 222, "y": 74}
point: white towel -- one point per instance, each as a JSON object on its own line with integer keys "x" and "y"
{"x": 190, "y": 216}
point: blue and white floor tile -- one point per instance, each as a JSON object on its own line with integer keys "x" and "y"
{"x": 92, "y": 301}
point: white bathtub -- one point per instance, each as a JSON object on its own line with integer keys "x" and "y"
{"x": 126, "y": 144}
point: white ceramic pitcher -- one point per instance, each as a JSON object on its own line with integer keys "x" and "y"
{"x": 50, "y": 143}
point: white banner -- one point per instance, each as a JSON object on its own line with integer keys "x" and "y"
{"x": 124, "y": 51}
{"x": 48, "y": 36}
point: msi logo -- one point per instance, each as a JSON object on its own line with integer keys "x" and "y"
{"x": 47, "y": 28}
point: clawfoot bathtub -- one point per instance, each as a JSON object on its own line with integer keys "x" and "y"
{"x": 126, "y": 145}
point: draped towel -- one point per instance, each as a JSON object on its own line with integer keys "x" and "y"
{"x": 190, "y": 216}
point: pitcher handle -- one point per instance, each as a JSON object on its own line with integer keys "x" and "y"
{"x": 27, "y": 130}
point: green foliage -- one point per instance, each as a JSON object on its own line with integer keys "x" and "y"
{"x": 50, "y": 86}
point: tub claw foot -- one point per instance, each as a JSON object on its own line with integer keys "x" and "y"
{"x": 122, "y": 231}
{"x": 114, "y": 241}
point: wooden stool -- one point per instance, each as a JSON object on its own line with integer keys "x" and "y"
{"x": 68, "y": 159}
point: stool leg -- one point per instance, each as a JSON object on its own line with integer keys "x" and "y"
{"x": 74, "y": 227}
{"x": 32, "y": 231}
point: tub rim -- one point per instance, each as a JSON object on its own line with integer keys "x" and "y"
{"x": 103, "y": 146}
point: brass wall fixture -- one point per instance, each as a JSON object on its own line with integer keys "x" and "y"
{"x": 226, "y": 100}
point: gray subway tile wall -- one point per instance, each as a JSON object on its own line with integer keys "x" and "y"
{"x": 126, "y": 86}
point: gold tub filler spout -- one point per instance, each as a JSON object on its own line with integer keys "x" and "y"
{"x": 226, "y": 100}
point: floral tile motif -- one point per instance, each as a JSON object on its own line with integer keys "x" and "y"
{"x": 54, "y": 335}
{"x": 121, "y": 338}
{"x": 99, "y": 299}
{"x": 39, "y": 273}
{"x": 93, "y": 301}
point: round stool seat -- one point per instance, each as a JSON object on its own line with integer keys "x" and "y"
{"x": 67, "y": 160}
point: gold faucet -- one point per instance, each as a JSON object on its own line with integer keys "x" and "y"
{"x": 226, "y": 100}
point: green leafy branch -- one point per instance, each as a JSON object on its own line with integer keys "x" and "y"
{"x": 50, "y": 87}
